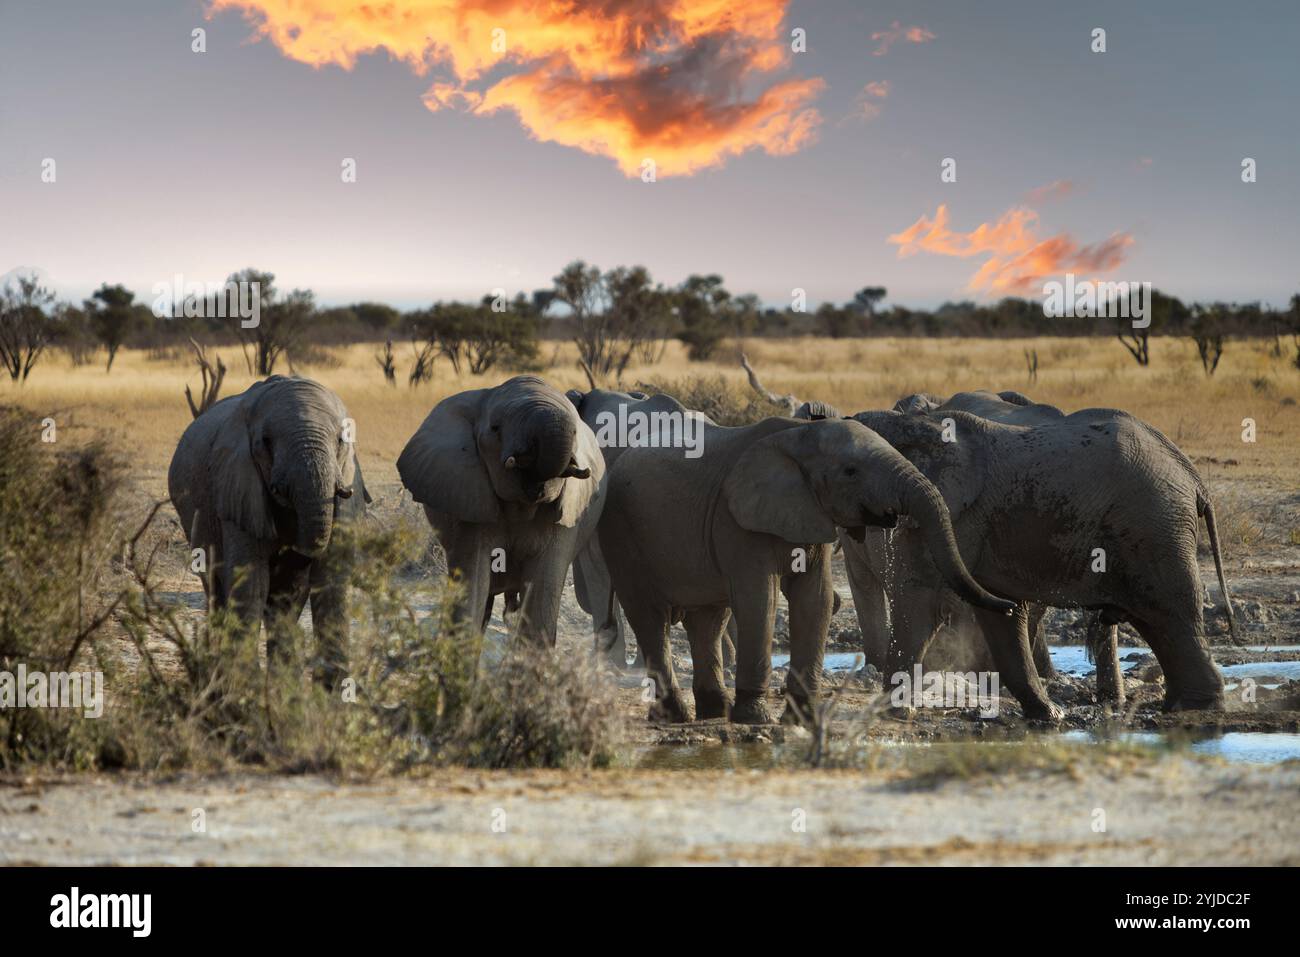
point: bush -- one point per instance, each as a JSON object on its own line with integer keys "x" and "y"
{"x": 712, "y": 395}
{"x": 56, "y": 542}
{"x": 203, "y": 697}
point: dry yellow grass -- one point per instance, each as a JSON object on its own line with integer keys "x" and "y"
{"x": 141, "y": 403}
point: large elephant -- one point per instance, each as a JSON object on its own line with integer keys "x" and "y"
{"x": 512, "y": 481}
{"x": 259, "y": 481}
{"x": 1114, "y": 532}
{"x": 958, "y": 644}
{"x": 756, "y": 511}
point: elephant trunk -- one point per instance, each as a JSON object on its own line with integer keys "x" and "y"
{"x": 314, "y": 490}
{"x": 922, "y": 501}
{"x": 554, "y": 433}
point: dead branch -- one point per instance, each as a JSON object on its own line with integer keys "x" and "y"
{"x": 212, "y": 379}
{"x": 787, "y": 402}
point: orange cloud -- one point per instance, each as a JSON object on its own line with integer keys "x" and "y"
{"x": 1058, "y": 189}
{"x": 1018, "y": 260}
{"x": 897, "y": 32}
{"x": 869, "y": 102}
{"x": 685, "y": 83}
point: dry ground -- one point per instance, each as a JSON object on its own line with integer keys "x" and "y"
{"x": 1170, "y": 812}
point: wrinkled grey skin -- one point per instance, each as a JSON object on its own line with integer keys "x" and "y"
{"x": 591, "y": 580}
{"x": 510, "y": 468}
{"x": 726, "y": 529}
{"x": 958, "y": 645}
{"x": 259, "y": 481}
{"x": 1027, "y": 528}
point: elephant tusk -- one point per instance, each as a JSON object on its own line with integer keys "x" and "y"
{"x": 510, "y": 462}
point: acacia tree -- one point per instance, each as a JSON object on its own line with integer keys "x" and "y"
{"x": 614, "y": 316}
{"x": 112, "y": 315}
{"x": 282, "y": 322}
{"x": 703, "y": 307}
{"x": 26, "y": 328}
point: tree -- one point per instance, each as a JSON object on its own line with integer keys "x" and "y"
{"x": 1207, "y": 333}
{"x": 613, "y": 316}
{"x": 25, "y": 327}
{"x": 1164, "y": 312}
{"x": 376, "y": 316}
{"x": 112, "y": 316}
{"x": 866, "y": 300}
{"x": 640, "y": 314}
{"x": 281, "y": 324}
{"x": 702, "y": 302}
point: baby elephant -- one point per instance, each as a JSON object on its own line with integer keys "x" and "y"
{"x": 259, "y": 481}
{"x": 513, "y": 483}
{"x": 756, "y": 511}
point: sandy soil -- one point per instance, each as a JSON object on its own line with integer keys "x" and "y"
{"x": 1156, "y": 813}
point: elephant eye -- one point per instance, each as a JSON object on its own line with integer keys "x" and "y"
{"x": 496, "y": 428}
{"x": 850, "y": 470}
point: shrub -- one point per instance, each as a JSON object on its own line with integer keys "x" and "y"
{"x": 56, "y": 541}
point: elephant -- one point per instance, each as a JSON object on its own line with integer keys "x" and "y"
{"x": 591, "y": 582}
{"x": 513, "y": 483}
{"x": 260, "y": 481}
{"x": 757, "y": 510}
{"x": 959, "y": 646}
{"x": 1114, "y": 532}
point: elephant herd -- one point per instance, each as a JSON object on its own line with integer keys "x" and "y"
{"x": 967, "y": 515}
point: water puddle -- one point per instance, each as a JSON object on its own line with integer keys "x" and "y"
{"x": 1073, "y": 660}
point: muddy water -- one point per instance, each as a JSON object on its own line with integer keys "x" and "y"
{"x": 1073, "y": 660}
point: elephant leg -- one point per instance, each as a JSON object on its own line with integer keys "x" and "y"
{"x": 1038, "y": 643}
{"x": 539, "y": 614}
{"x": 728, "y": 639}
{"x": 287, "y": 592}
{"x": 1008, "y": 639}
{"x": 704, "y": 627}
{"x": 469, "y": 565}
{"x": 650, "y": 623}
{"x": 329, "y": 622}
{"x": 914, "y": 610}
{"x": 870, "y": 604}
{"x": 1192, "y": 682}
{"x": 1103, "y": 641}
{"x": 487, "y": 612}
{"x": 811, "y": 597}
{"x": 753, "y": 604}
{"x": 245, "y": 575}
{"x": 591, "y": 584}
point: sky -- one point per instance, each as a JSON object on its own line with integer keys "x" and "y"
{"x": 796, "y": 144}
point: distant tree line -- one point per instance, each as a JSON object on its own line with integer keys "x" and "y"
{"x": 616, "y": 318}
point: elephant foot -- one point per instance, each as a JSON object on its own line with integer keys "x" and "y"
{"x": 1042, "y": 711}
{"x": 670, "y": 709}
{"x": 799, "y": 710}
{"x": 711, "y": 703}
{"x": 750, "y": 709}
{"x": 1194, "y": 702}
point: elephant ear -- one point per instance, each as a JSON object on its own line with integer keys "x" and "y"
{"x": 768, "y": 492}
{"x": 578, "y": 493}
{"x": 238, "y": 492}
{"x": 441, "y": 466}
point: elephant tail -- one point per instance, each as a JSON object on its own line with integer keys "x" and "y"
{"x": 1206, "y": 509}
